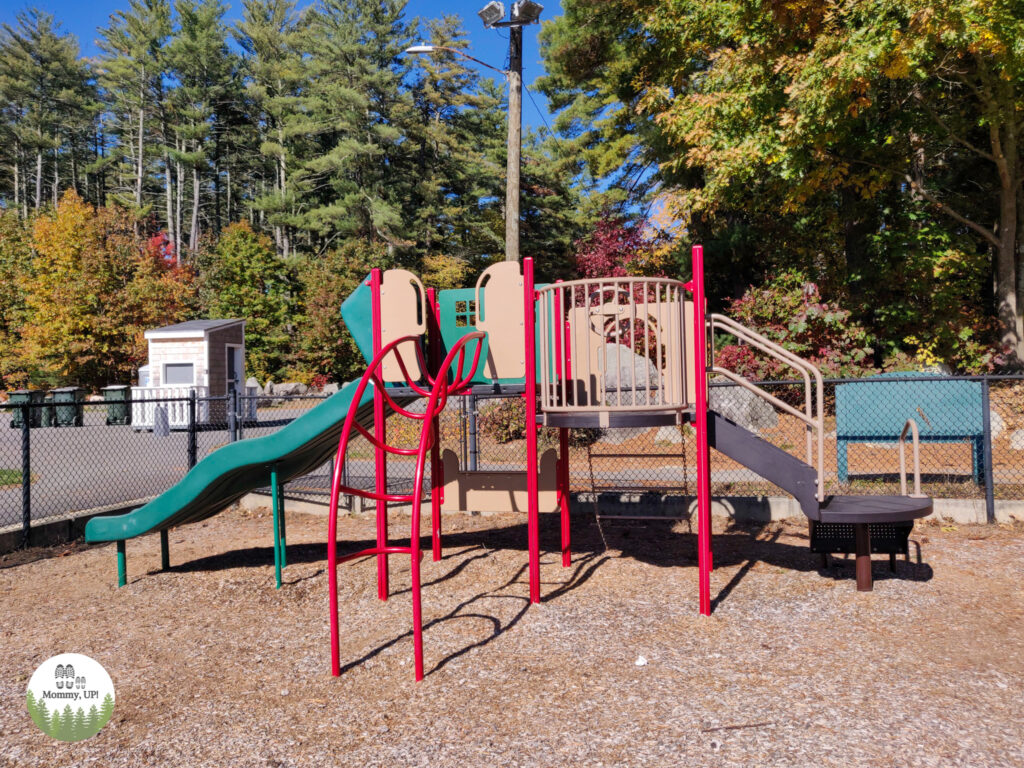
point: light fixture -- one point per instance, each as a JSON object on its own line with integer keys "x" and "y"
{"x": 526, "y": 12}
{"x": 491, "y": 13}
{"x": 421, "y": 48}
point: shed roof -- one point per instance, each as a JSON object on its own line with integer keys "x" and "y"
{"x": 193, "y": 329}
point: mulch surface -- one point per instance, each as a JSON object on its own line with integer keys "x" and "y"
{"x": 214, "y": 667}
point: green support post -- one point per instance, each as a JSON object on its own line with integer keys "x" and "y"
{"x": 284, "y": 534}
{"x": 122, "y": 570}
{"x": 165, "y": 552}
{"x": 275, "y": 495}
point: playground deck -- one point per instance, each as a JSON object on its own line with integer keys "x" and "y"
{"x": 215, "y": 667}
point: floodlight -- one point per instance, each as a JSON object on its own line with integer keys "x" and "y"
{"x": 526, "y": 12}
{"x": 491, "y": 13}
{"x": 421, "y": 48}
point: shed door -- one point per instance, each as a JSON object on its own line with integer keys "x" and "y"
{"x": 236, "y": 367}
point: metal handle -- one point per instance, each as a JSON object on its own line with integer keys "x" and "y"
{"x": 912, "y": 426}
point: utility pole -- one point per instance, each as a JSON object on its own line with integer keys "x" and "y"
{"x": 515, "y": 142}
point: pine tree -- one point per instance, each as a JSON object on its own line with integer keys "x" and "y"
{"x": 106, "y": 711}
{"x": 272, "y": 37}
{"x": 92, "y": 721}
{"x": 78, "y": 731}
{"x": 67, "y": 724}
{"x": 354, "y": 95}
{"x": 131, "y": 73}
{"x": 202, "y": 65}
{"x": 47, "y": 106}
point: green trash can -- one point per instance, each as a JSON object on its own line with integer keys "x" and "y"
{"x": 47, "y": 409}
{"x": 118, "y": 398}
{"x": 68, "y": 404}
{"x": 22, "y": 396}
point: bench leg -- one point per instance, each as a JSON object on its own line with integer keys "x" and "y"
{"x": 862, "y": 540}
{"x": 892, "y": 562}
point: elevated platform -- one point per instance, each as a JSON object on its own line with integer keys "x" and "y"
{"x": 613, "y": 419}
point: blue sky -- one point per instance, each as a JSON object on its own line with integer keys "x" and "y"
{"x": 84, "y": 17}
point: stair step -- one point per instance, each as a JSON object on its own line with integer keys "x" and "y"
{"x": 873, "y": 509}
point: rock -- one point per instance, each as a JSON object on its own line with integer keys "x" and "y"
{"x": 620, "y": 365}
{"x": 94, "y": 399}
{"x": 940, "y": 368}
{"x": 668, "y": 434}
{"x": 290, "y": 389}
{"x": 620, "y": 435}
{"x": 998, "y": 423}
{"x": 268, "y": 388}
{"x": 742, "y": 407}
{"x": 1017, "y": 440}
{"x": 330, "y": 388}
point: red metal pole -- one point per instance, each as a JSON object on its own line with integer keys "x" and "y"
{"x": 533, "y": 507}
{"x": 436, "y": 468}
{"x": 380, "y": 456}
{"x": 700, "y": 348}
{"x": 563, "y": 492}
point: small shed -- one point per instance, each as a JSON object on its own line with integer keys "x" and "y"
{"x": 199, "y": 353}
{"x": 202, "y": 356}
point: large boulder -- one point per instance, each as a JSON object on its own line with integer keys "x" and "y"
{"x": 330, "y": 388}
{"x": 621, "y": 365}
{"x": 742, "y": 406}
{"x": 290, "y": 389}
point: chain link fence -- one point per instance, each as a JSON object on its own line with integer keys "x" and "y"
{"x": 60, "y": 464}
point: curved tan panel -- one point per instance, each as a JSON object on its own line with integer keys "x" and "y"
{"x": 500, "y": 312}
{"x": 403, "y": 312}
{"x": 487, "y": 491}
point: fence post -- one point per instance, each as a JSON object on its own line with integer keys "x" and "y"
{"x": 986, "y": 425}
{"x": 192, "y": 452}
{"x": 26, "y": 474}
{"x": 232, "y": 415}
{"x": 473, "y": 453}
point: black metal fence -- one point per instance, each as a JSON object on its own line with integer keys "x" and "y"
{"x": 972, "y": 445}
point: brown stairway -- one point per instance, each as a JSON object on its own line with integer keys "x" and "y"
{"x": 839, "y": 524}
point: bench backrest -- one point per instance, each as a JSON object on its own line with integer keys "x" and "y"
{"x": 881, "y": 405}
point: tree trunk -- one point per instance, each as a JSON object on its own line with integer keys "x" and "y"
{"x": 17, "y": 179}
{"x": 56, "y": 178}
{"x": 169, "y": 205}
{"x": 39, "y": 178}
{"x": 193, "y": 235}
{"x": 177, "y": 213}
{"x": 228, "y": 172}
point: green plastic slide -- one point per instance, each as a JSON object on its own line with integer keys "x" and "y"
{"x": 230, "y": 472}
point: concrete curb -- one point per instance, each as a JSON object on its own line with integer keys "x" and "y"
{"x": 743, "y": 508}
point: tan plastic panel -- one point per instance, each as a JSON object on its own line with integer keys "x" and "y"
{"x": 590, "y": 331}
{"x": 501, "y": 312}
{"x": 497, "y": 491}
{"x": 403, "y": 312}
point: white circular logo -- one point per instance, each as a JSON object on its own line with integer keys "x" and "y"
{"x": 70, "y": 697}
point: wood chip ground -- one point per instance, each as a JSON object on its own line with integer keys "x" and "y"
{"x": 214, "y": 667}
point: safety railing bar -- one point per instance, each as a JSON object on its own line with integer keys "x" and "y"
{"x": 912, "y": 426}
{"x": 809, "y": 420}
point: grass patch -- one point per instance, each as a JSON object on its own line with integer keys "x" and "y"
{"x": 10, "y": 477}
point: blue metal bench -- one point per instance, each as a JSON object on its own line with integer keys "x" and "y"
{"x": 875, "y": 410}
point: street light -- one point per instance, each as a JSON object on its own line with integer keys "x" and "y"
{"x": 523, "y": 13}
{"x": 427, "y": 48}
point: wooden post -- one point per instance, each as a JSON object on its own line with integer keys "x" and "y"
{"x": 862, "y": 539}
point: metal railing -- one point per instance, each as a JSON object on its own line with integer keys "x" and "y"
{"x": 812, "y": 415}
{"x": 53, "y": 473}
{"x": 592, "y": 330}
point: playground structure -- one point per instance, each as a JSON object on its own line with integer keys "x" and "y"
{"x": 609, "y": 352}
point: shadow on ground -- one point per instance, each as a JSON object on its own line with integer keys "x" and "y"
{"x": 661, "y": 543}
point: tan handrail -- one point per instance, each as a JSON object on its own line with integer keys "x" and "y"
{"x": 912, "y": 426}
{"x": 812, "y": 416}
